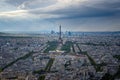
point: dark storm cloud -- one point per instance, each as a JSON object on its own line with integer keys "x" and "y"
{"x": 77, "y": 14}
{"x": 91, "y": 8}
{"x": 101, "y": 9}
{"x": 29, "y": 4}
{"x": 15, "y": 2}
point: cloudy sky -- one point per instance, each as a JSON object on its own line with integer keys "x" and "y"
{"x": 47, "y": 15}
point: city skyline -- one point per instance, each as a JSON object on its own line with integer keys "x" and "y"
{"x": 73, "y": 15}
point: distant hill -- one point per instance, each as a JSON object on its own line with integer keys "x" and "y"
{"x": 35, "y": 34}
{"x": 5, "y": 34}
{"x": 2, "y": 33}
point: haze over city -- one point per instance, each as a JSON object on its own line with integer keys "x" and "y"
{"x": 73, "y": 15}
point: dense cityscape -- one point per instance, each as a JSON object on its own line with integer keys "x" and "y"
{"x": 59, "y": 39}
{"x": 60, "y": 56}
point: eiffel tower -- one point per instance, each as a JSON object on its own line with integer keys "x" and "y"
{"x": 60, "y": 34}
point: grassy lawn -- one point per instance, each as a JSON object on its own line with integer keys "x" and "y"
{"x": 47, "y": 69}
{"x": 67, "y": 46}
{"x": 42, "y": 77}
{"x": 117, "y": 75}
{"x": 107, "y": 76}
{"x": 39, "y": 71}
{"x": 49, "y": 65}
{"x": 98, "y": 67}
{"x": 79, "y": 48}
{"x": 52, "y": 46}
{"x": 117, "y": 56}
{"x": 0, "y": 69}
